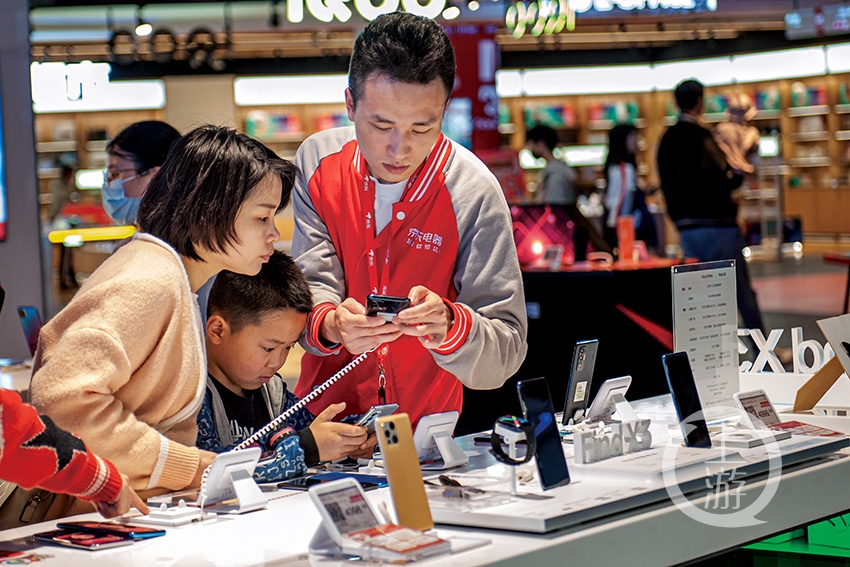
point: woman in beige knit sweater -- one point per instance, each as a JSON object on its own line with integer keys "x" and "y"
{"x": 123, "y": 365}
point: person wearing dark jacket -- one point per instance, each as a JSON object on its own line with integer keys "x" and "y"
{"x": 698, "y": 183}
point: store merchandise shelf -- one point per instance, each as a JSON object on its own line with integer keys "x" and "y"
{"x": 759, "y": 193}
{"x": 285, "y": 137}
{"x": 60, "y": 146}
{"x": 608, "y": 124}
{"x": 842, "y": 135}
{"x": 816, "y": 110}
{"x": 817, "y": 136}
{"x": 773, "y": 114}
{"x": 714, "y": 117}
{"x": 96, "y": 145}
{"x": 809, "y": 162}
{"x": 842, "y": 108}
{"x": 507, "y": 128}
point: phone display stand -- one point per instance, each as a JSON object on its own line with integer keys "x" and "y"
{"x": 322, "y": 543}
{"x": 249, "y": 496}
{"x": 624, "y": 409}
{"x": 451, "y": 454}
{"x": 513, "y": 437}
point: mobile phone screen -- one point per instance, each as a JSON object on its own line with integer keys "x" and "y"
{"x": 83, "y": 539}
{"x": 385, "y": 306}
{"x": 683, "y": 388}
{"x": 537, "y": 407}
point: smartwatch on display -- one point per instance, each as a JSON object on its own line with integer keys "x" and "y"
{"x": 512, "y": 428}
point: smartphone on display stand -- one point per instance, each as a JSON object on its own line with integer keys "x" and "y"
{"x": 367, "y": 420}
{"x": 538, "y": 409}
{"x": 385, "y": 306}
{"x": 581, "y": 374}
{"x": 683, "y": 388}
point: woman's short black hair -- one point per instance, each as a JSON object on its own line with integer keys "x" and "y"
{"x": 404, "y": 47}
{"x": 144, "y": 143}
{"x": 194, "y": 198}
{"x": 244, "y": 300}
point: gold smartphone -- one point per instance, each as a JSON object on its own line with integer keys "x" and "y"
{"x": 402, "y": 466}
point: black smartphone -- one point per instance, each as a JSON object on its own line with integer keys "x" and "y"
{"x": 683, "y": 388}
{"x": 581, "y": 374}
{"x": 385, "y": 306}
{"x": 368, "y": 482}
{"x": 135, "y": 532}
{"x": 83, "y": 540}
{"x": 537, "y": 406}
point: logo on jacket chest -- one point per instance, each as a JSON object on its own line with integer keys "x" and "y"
{"x": 421, "y": 240}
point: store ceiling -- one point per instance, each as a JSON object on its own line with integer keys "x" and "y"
{"x": 73, "y": 30}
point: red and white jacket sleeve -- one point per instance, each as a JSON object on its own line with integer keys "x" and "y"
{"x": 36, "y": 453}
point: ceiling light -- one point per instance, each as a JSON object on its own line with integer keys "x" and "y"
{"x": 473, "y": 5}
{"x": 451, "y": 11}
{"x": 143, "y": 29}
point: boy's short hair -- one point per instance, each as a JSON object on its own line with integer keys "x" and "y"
{"x": 244, "y": 300}
{"x": 405, "y": 48}
{"x": 543, "y": 133}
{"x": 194, "y": 198}
{"x": 688, "y": 93}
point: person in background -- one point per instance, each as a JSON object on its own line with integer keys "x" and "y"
{"x": 254, "y": 321}
{"x": 738, "y": 140}
{"x": 134, "y": 156}
{"x": 698, "y": 183}
{"x": 555, "y": 187}
{"x": 124, "y": 364}
{"x": 392, "y": 206}
{"x": 36, "y": 453}
{"x": 623, "y": 196}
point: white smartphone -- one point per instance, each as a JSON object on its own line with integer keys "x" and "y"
{"x": 756, "y": 409}
{"x": 343, "y": 507}
{"x": 603, "y": 406}
{"x": 367, "y": 420}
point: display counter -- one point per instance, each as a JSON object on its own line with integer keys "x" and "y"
{"x": 628, "y": 307}
{"x": 654, "y": 534}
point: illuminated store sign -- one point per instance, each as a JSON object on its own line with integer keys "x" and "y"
{"x": 341, "y": 10}
{"x": 582, "y": 6}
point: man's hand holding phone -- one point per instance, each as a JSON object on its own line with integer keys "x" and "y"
{"x": 429, "y": 318}
{"x": 349, "y": 325}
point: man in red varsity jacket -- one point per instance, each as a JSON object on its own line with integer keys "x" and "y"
{"x": 36, "y": 453}
{"x": 391, "y": 206}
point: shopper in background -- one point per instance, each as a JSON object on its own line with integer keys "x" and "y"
{"x": 555, "y": 186}
{"x": 36, "y": 453}
{"x": 254, "y": 321}
{"x": 392, "y": 206}
{"x": 698, "y": 183}
{"x": 62, "y": 190}
{"x": 134, "y": 156}
{"x": 123, "y": 365}
{"x": 623, "y": 196}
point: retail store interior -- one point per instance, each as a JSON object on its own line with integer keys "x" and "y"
{"x": 73, "y": 73}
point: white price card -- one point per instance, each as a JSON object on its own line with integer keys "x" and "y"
{"x": 705, "y": 325}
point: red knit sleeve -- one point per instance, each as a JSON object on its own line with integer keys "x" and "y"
{"x": 34, "y": 452}
{"x": 314, "y": 328}
{"x": 459, "y": 330}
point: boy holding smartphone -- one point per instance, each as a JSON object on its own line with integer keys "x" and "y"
{"x": 253, "y": 323}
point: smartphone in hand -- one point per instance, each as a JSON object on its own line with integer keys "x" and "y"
{"x": 374, "y": 412}
{"x": 385, "y": 306}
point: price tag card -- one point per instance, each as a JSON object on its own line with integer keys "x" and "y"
{"x": 705, "y": 325}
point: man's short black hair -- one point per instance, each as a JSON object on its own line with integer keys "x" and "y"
{"x": 244, "y": 300}
{"x": 145, "y": 143}
{"x": 543, "y": 133}
{"x": 194, "y": 198}
{"x": 688, "y": 93}
{"x": 405, "y": 48}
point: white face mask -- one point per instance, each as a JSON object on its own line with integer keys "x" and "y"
{"x": 121, "y": 208}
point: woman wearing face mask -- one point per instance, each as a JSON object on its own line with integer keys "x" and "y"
{"x": 134, "y": 156}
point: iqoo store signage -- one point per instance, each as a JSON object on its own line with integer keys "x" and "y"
{"x": 341, "y": 10}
